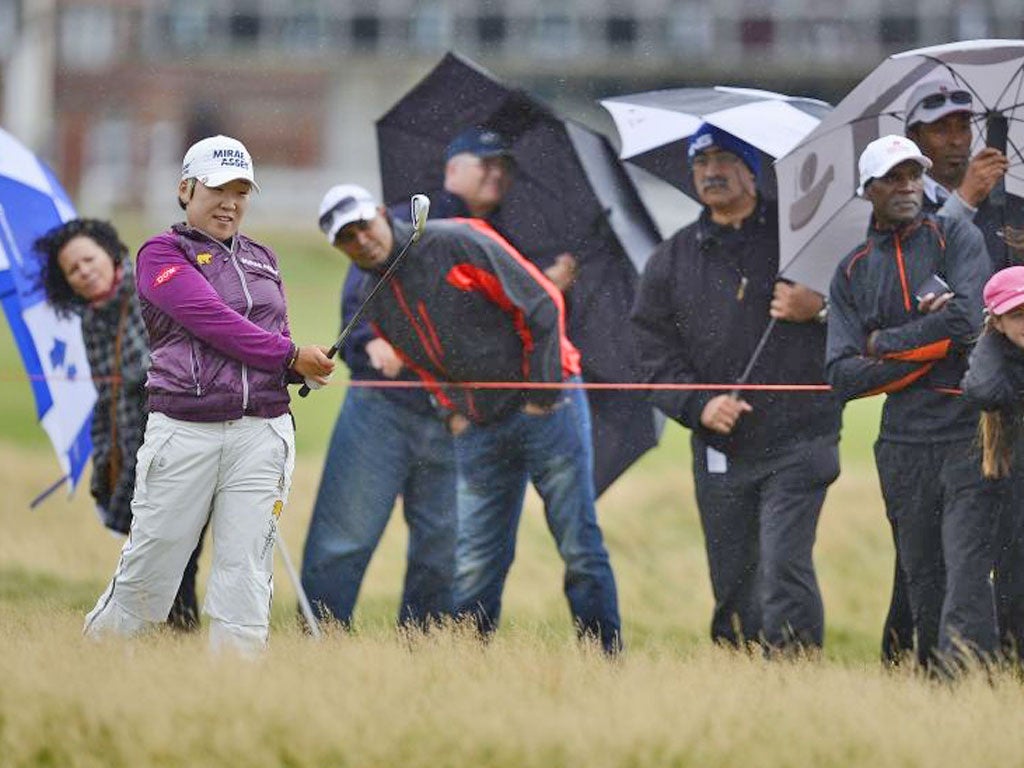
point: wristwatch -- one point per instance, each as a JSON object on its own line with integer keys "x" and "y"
{"x": 822, "y": 315}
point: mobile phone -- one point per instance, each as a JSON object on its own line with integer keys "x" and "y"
{"x": 934, "y": 285}
{"x": 997, "y": 127}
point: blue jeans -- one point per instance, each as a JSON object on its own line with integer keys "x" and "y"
{"x": 495, "y": 461}
{"x": 380, "y": 449}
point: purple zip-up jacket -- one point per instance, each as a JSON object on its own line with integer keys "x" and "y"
{"x": 218, "y": 327}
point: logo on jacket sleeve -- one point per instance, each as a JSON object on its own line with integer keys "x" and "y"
{"x": 166, "y": 274}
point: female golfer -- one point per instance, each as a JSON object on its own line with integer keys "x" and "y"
{"x": 86, "y": 271}
{"x": 219, "y": 442}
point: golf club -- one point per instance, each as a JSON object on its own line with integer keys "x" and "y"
{"x": 420, "y": 208}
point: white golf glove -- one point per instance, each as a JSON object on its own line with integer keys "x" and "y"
{"x": 313, "y": 384}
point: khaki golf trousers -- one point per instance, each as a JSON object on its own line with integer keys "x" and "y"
{"x": 237, "y": 475}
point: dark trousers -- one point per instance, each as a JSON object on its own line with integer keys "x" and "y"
{"x": 944, "y": 515}
{"x": 1009, "y": 561}
{"x": 760, "y": 518}
{"x": 1008, "y": 582}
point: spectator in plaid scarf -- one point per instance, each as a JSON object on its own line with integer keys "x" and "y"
{"x": 86, "y": 272}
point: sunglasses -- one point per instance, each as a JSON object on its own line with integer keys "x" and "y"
{"x": 344, "y": 205}
{"x": 936, "y": 100}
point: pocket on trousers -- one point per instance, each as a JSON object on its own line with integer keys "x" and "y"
{"x": 159, "y": 431}
{"x": 282, "y": 428}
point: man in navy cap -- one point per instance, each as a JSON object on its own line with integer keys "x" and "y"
{"x": 479, "y": 170}
{"x": 762, "y": 461}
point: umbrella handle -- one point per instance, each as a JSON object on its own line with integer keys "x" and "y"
{"x": 754, "y": 357}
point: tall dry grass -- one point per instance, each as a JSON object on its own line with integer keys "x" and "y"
{"x": 530, "y": 698}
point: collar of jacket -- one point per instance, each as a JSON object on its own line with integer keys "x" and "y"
{"x": 710, "y": 233}
{"x": 182, "y": 228}
{"x": 401, "y": 231}
{"x": 903, "y": 230}
{"x": 451, "y": 206}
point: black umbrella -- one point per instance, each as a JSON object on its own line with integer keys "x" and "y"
{"x": 570, "y": 194}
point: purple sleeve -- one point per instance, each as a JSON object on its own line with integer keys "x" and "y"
{"x": 168, "y": 281}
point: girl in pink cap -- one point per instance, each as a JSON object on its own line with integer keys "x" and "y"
{"x": 995, "y": 383}
{"x": 995, "y": 377}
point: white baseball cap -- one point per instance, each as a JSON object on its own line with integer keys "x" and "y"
{"x": 216, "y": 160}
{"x": 342, "y": 205}
{"x": 882, "y": 155}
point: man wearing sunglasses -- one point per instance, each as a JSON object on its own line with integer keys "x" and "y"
{"x": 467, "y": 307}
{"x": 938, "y": 118}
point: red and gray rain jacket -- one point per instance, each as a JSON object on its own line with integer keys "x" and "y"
{"x": 466, "y": 306}
{"x": 919, "y": 358}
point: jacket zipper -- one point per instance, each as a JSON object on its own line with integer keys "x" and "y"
{"x": 903, "y": 271}
{"x": 194, "y": 365}
{"x": 248, "y": 310}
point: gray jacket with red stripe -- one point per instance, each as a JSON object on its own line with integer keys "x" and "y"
{"x": 466, "y": 306}
{"x": 919, "y": 358}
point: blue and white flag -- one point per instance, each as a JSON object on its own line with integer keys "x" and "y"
{"x": 31, "y": 203}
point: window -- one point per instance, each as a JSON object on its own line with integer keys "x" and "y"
{"x": 244, "y": 27}
{"x": 556, "y": 35}
{"x": 621, "y": 31}
{"x": 691, "y": 29}
{"x": 430, "y": 26}
{"x": 491, "y": 29}
{"x": 88, "y": 38}
{"x": 365, "y": 31}
{"x": 896, "y": 31}
{"x": 972, "y": 21}
{"x": 9, "y": 26}
{"x": 758, "y": 32}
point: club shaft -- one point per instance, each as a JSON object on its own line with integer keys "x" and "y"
{"x": 351, "y": 325}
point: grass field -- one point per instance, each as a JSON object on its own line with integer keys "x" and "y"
{"x": 531, "y": 698}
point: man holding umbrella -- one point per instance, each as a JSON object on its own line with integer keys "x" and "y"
{"x": 938, "y": 119}
{"x": 905, "y": 306}
{"x": 467, "y": 307}
{"x": 762, "y": 462}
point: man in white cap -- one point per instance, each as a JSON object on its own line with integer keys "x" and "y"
{"x": 905, "y": 308}
{"x": 467, "y": 307}
{"x": 387, "y": 442}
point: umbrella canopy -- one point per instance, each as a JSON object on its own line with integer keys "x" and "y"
{"x": 570, "y": 194}
{"x": 32, "y": 202}
{"x": 820, "y": 217}
{"x": 655, "y": 127}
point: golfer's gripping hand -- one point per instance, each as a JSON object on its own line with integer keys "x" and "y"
{"x": 313, "y": 364}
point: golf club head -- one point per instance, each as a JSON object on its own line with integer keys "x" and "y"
{"x": 420, "y": 209}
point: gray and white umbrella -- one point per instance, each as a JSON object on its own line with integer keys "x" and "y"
{"x": 820, "y": 216}
{"x": 655, "y": 127}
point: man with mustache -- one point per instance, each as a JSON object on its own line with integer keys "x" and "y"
{"x": 762, "y": 461}
{"x": 905, "y": 308}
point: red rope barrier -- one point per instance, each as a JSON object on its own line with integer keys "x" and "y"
{"x": 586, "y": 385}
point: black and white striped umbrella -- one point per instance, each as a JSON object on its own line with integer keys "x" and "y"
{"x": 820, "y": 216}
{"x": 655, "y": 126}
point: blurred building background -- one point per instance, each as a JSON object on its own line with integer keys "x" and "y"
{"x": 111, "y": 92}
